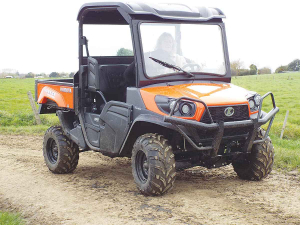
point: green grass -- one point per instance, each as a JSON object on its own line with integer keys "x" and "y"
{"x": 16, "y": 114}
{"x": 287, "y": 153}
{"x": 25, "y": 130}
{"x": 10, "y": 219}
{"x": 15, "y": 109}
{"x": 286, "y": 89}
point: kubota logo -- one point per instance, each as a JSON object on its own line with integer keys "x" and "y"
{"x": 229, "y": 111}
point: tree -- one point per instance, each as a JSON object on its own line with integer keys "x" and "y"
{"x": 54, "y": 74}
{"x": 294, "y": 65}
{"x": 71, "y": 75}
{"x": 236, "y": 67}
{"x": 124, "y": 52}
{"x": 29, "y": 75}
{"x": 63, "y": 74}
{"x": 253, "y": 69}
{"x": 244, "y": 72}
{"x": 264, "y": 70}
{"x": 281, "y": 69}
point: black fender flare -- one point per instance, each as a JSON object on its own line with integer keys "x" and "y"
{"x": 155, "y": 120}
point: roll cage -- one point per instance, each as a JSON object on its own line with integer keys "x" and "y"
{"x": 134, "y": 14}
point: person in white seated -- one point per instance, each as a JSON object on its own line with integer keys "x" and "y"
{"x": 165, "y": 50}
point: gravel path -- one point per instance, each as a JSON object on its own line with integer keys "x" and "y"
{"x": 102, "y": 191}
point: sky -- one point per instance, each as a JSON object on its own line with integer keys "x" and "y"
{"x": 41, "y": 36}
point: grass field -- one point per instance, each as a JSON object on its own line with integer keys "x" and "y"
{"x": 16, "y": 115}
{"x": 15, "y": 111}
{"x": 10, "y": 219}
{"x": 286, "y": 88}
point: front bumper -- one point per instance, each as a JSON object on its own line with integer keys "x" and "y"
{"x": 219, "y": 127}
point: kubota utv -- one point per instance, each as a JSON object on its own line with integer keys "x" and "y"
{"x": 154, "y": 85}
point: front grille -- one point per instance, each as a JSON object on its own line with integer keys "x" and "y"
{"x": 241, "y": 112}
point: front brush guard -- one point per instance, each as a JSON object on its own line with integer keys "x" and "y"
{"x": 220, "y": 126}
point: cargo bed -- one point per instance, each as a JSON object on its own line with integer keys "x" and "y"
{"x": 54, "y": 94}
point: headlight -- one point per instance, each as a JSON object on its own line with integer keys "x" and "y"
{"x": 251, "y": 103}
{"x": 185, "y": 109}
{"x": 257, "y": 99}
{"x": 182, "y": 108}
{"x": 254, "y": 101}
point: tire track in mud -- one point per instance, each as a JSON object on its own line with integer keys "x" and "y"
{"x": 102, "y": 191}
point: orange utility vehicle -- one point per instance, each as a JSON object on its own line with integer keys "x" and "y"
{"x": 154, "y": 85}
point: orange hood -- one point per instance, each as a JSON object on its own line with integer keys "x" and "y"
{"x": 211, "y": 94}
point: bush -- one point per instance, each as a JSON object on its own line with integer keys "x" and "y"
{"x": 281, "y": 69}
{"x": 252, "y": 72}
{"x": 233, "y": 72}
{"x": 54, "y": 74}
{"x": 244, "y": 72}
{"x": 264, "y": 70}
{"x": 124, "y": 52}
{"x": 29, "y": 75}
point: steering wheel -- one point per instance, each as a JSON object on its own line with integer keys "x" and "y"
{"x": 192, "y": 66}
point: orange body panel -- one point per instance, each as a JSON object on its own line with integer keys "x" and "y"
{"x": 211, "y": 94}
{"x": 62, "y": 95}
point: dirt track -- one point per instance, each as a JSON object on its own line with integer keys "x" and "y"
{"x": 102, "y": 191}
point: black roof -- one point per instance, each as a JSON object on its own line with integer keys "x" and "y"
{"x": 162, "y": 11}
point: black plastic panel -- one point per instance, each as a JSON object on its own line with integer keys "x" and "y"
{"x": 93, "y": 128}
{"x": 110, "y": 60}
{"x": 164, "y": 11}
{"x": 64, "y": 82}
{"x": 134, "y": 97}
{"x": 116, "y": 119}
{"x": 93, "y": 136}
{"x": 77, "y": 136}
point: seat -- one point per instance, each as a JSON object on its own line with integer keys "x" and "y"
{"x": 108, "y": 79}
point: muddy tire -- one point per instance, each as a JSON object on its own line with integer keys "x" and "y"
{"x": 60, "y": 153}
{"x": 153, "y": 165}
{"x": 260, "y": 162}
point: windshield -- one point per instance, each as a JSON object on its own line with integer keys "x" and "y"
{"x": 195, "y": 48}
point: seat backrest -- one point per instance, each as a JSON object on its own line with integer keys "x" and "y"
{"x": 108, "y": 79}
{"x": 93, "y": 74}
{"x": 111, "y": 78}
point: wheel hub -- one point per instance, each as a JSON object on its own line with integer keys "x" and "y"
{"x": 142, "y": 166}
{"x": 52, "y": 151}
{"x": 145, "y": 167}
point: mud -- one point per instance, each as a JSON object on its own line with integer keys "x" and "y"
{"x": 102, "y": 191}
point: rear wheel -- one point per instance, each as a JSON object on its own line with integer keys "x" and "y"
{"x": 60, "y": 153}
{"x": 153, "y": 164}
{"x": 259, "y": 164}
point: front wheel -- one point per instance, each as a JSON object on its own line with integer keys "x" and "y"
{"x": 259, "y": 163}
{"x": 153, "y": 164}
{"x": 60, "y": 153}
